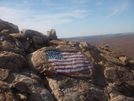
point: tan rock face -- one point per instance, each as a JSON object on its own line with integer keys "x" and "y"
{"x": 29, "y": 87}
{"x": 38, "y": 67}
{"x": 58, "y": 42}
{"x": 71, "y": 89}
{"x": 11, "y": 44}
{"x": 12, "y": 61}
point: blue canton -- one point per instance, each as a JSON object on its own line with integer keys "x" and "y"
{"x": 51, "y": 54}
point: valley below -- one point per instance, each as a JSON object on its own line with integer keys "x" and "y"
{"x": 120, "y": 41}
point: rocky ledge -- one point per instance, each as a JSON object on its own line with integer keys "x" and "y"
{"x": 39, "y": 67}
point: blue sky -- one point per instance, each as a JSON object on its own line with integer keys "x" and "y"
{"x": 70, "y": 18}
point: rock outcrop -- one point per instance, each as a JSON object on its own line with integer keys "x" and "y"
{"x": 39, "y": 67}
{"x": 6, "y": 27}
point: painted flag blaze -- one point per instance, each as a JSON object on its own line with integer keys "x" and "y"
{"x": 67, "y": 62}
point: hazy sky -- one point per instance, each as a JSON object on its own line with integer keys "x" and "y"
{"x": 70, "y": 17}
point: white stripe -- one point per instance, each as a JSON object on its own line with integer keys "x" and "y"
{"x": 72, "y": 70}
{"x": 73, "y": 56}
{"x": 72, "y": 66}
{"x": 65, "y": 62}
{"x": 71, "y": 59}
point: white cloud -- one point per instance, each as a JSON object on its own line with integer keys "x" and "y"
{"x": 74, "y": 14}
{"x": 81, "y": 1}
{"x": 116, "y": 10}
{"x": 99, "y": 3}
{"x": 28, "y": 19}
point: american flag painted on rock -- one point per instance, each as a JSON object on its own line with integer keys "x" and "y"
{"x": 67, "y": 62}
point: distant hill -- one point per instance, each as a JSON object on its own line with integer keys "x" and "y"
{"x": 122, "y": 41}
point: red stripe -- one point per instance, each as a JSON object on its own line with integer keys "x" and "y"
{"x": 70, "y": 64}
{"x": 71, "y": 68}
{"x": 73, "y": 72}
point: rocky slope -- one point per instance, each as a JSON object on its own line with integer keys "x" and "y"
{"x": 30, "y": 69}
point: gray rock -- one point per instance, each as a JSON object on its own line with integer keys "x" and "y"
{"x": 30, "y": 33}
{"x": 37, "y": 40}
{"x": 52, "y": 34}
{"x": 8, "y": 27}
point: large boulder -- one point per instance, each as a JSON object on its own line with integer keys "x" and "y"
{"x": 8, "y": 27}
{"x": 32, "y": 33}
{"x": 39, "y": 61}
{"x": 28, "y": 88}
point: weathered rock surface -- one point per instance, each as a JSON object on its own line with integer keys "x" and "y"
{"x": 11, "y": 44}
{"x": 12, "y": 61}
{"x": 72, "y": 89}
{"x": 29, "y": 70}
{"x": 28, "y": 87}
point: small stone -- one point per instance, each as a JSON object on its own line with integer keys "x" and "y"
{"x": 123, "y": 59}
